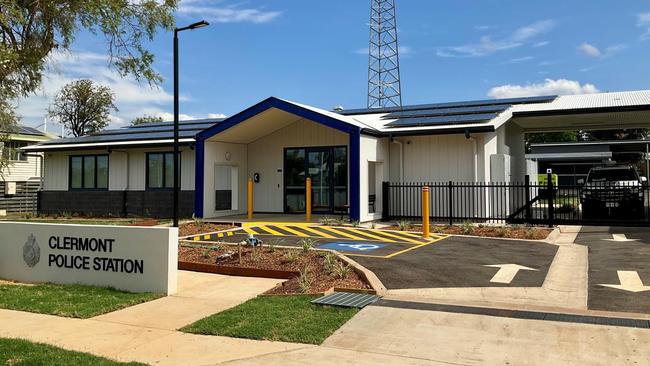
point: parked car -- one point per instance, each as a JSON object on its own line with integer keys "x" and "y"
{"x": 612, "y": 192}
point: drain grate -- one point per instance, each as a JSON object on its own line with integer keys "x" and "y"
{"x": 346, "y": 299}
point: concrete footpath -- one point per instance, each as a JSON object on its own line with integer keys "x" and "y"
{"x": 147, "y": 332}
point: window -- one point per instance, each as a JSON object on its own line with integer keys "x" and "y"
{"x": 160, "y": 170}
{"x": 89, "y": 172}
{"x": 11, "y": 151}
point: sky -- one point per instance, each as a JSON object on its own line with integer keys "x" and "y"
{"x": 315, "y": 52}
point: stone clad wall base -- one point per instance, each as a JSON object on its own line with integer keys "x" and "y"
{"x": 157, "y": 204}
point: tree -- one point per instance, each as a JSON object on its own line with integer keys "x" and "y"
{"x": 32, "y": 30}
{"x": 145, "y": 119}
{"x": 606, "y": 135}
{"x": 541, "y": 137}
{"x": 83, "y": 107}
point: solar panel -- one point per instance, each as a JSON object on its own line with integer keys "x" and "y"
{"x": 472, "y": 103}
{"x": 127, "y": 131}
{"x": 449, "y": 111}
{"x": 442, "y": 120}
{"x": 122, "y": 137}
{"x": 25, "y": 130}
{"x": 181, "y": 123}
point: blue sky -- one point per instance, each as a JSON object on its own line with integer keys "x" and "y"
{"x": 313, "y": 52}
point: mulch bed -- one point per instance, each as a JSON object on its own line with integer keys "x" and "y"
{"x": 193, "y": 228}
{"x": 278, "y": 259}
{"x": 530, "y": 233}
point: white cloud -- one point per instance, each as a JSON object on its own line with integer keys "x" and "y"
{"x": 548, "y": 87}
{"x": 593, "y": 51}
{"x": 519, "y": 60}
{"x": 541, "y": 44}
{"x": 216, "y": 115}
{"x": 589, "y": 50}
{"x": 488, "y": 45}
{"x": 216, "y": 11}
{"x": 133, "y": 99}
{"x": 167, "y": 116}
{"x": 643, "y": 21}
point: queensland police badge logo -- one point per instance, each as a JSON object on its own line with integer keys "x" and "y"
{"x": 31, "y": 251}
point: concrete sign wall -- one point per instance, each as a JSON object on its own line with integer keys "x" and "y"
{"x": 135, "y": 259}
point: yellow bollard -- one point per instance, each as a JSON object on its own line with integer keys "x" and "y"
{"x": 425, "y": 212}
{"x": 308, "y": 199}
{"x": 250, "y": 198}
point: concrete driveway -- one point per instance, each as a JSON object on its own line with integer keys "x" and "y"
{"x": 619, "y": 268}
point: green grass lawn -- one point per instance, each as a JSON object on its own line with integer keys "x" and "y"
{"x": 75, "y": 301}
{"x": 17, "y": 352}
{"x": 276, "y": 318}
{"x": 107, "y": 222}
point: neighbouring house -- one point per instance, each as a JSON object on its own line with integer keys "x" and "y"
{"x": 571, "y": 161}
{"x": 21, "y": 179}
{"x": 346, "y": 153}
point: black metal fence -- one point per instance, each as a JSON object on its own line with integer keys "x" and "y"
{"x": 623, "y": 203}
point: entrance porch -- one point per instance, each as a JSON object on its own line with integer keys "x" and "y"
{"x": 278, "y": 144}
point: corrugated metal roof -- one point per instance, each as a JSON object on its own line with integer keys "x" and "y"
{"x": 589, "y": 101}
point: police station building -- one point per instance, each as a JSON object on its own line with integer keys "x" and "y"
{"x": 346, "y": 153}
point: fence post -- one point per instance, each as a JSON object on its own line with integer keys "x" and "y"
{"x": 385, "y": 201}
{"x": 527, "y": 197}
{"x": 425, "y": 212}
{"x": 451, "y": 203}
{"x": 549, "y": 190}
{"x": 308, "y": 199}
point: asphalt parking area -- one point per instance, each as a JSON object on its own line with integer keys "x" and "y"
{"x": 619, "y": 269}
{"x": 355, "y": 242}
{"x": 466, "y": 262}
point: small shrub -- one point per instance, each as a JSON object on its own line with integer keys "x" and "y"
{"x": 437, "y": 229}
{"x": 306, "y": 244}
{"x": 198, "y": 222}
{"x": 372, "y": 225}
{"x": 256, "y": 256}
{"x": 274, "y": 243}
{"x": 329, "y": 262}
{"x": 342, "y": 270}
{"x": 502, "y": 232}
{"x": 326, "y": 220}
{"x": 304, "y": 281}
{"x": 404, "y": 225}
{"x": 66, "y": 214}
{"x": 290, "y": 255}
{"x": 467, "y": 228}
{"x": 356, "y": 223}
{"x": 339, "y": 222}
{"x": 530, "y": 233}
{"x": 206, "y": 254}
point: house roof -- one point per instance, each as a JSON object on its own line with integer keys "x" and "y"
{"x": 156, "y": 133}
{"x": 439, "y": 118}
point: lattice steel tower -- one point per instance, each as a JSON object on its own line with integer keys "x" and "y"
{"x": 384, "y": 88}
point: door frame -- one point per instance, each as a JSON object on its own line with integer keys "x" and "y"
{"x": 330, "y": 163}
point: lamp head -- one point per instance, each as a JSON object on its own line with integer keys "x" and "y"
{"x": 199, "y": 24}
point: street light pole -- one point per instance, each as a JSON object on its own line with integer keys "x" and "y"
{"x": 196, "y": 25}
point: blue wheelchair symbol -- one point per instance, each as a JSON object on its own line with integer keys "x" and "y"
{"x": 352, "y": 246}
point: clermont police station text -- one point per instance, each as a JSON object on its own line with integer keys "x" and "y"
{"x": 84, "y": 262}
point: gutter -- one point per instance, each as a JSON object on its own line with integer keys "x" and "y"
{"x": 559, "y": 112}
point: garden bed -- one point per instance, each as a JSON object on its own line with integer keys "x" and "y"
{"x": 196, "y": 228}
{"x": 513, "y": 232}
{"x": 310, "y": 271}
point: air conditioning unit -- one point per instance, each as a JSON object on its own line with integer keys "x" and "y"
{"x": 10, "y": 188}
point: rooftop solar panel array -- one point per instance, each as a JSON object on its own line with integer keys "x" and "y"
{"x": 443, "y": 114}
{"x": 147, "y": 131}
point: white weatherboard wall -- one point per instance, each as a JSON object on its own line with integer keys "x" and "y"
{"x": 20, "y": 171}
{"x": 220, "y": 154}
{"x": 373, "y": 150}
{"x": 31, "y": 252}
{"x": 127, "y": 168}
{"x": 266, "y": 157}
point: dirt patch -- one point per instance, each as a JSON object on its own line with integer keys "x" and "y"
{"x": 193, "y": 228}
{"x": 530, "y": 233}
{"x": 5, "y": 282}
{"x": 323, "y": 271}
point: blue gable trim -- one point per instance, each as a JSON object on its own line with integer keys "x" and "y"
{"x": 274, "y": 102}
{"x": 353, "y": 131}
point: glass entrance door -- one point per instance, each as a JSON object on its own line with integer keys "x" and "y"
{"x": 319, "y": 168}
{"x": 327, "y": 168}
